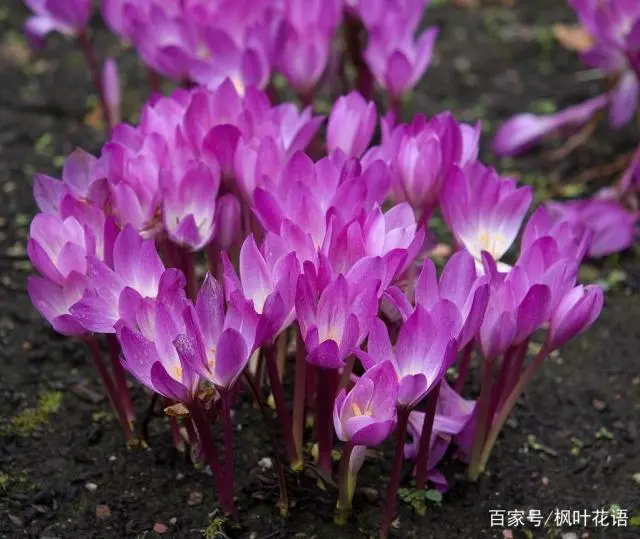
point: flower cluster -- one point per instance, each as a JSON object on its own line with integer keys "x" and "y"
{"x": 322, "y": 239}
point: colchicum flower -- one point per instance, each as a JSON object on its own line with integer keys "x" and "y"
{"x": 70, "y": 18}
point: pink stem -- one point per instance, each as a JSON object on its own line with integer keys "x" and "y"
{"x": 422, "y": 463}
{"x": 483, "y": 418}
{"x": 281, "y": 406}
{"x": 299, "y": 390}
{"x": 464, "y": 367}
{"x": 211, "y": 456}
{"x": 176, "y": 435}
{"x": 396, "y": 470}
{"x": 96, "y": 76}
{"x": 327, "y": 381}
{"x": 120, "y": 377}
{"x": 108, "y": 385}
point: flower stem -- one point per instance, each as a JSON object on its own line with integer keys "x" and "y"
{"x": 508, "y": 406}
{"x": 327, "y": 380}
{"x": 353, "y": 38}
{"x": 299, "y": 389}
{"x": 465, "y": 362}
{"x": 422, "y": 463}
{"x": 284, "y": 498}
{"x": 514, "y": 372}
{"x": 109, "y": 386}
{"x": 120, "y": 377}
{"x": 482, "y": 418}
{"x": 281, "y": 406}
{"x": 211, "y": 456}
{"x": 176, "y": 435}
{"x": 500, "y": 385}
{"x": 396, "y": 469}
{"x": 343, "y": 507}
{"x": 96, "y": 77}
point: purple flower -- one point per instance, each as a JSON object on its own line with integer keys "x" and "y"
{"x": 189, "y": 204}
{"x": 572, "y": 237}
{"x": 523, "y": 131}
{"x": 83, "y": 177}
{"x": 335, "y": 321}
{"x": 69, "y": 17}
{"x": 53, "y": 301}
{"x": 577, "y": 310}
{"x": 459, "y": 299}
{"x": 612, "y": 227}
{"x": 483, "y": 210}
{"x": 302, "y": 55}
{"x": 216, "y": 344}
{"x": 422, "y": 354}
{"x": 351, "y": 124}
{"x": 149, "y": 355}
{"x": 367, "y": 414}
{"x": 58, "y": 246}
{"x": 114, "y": 293}
{"x": 515, "y": 310}
{"x": 267, "y": 282}
{"x": 420, "y": 156}
{"x": 396, "y": 60}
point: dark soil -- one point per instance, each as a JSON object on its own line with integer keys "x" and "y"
{"x": 58, "y": 464}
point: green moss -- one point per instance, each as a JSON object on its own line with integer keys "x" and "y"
{"x": 31, "y": 419}
{"x": 215, "y": 529}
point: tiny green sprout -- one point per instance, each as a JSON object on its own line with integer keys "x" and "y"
{"x": 635, "y": 521}
{"x": 604, "y": 434}
{"x": 215, "y": 529}
{"x": 43, "y": 144}
{"x": 576, "y": 446}
{"x": 21, "y": 219}
{"x": 418, "y": 498}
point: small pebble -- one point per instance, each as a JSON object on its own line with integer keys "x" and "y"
{"x": 103, "y": 511}
{"x": 636, "y": 477}
{"x": 16, "y": 521}
{"x": 91, "y": 487}
{"x": 371, "y": 494}
{"x": 545, "y": 481}
{"x": 265, "y": 463}
{"x": 160, "y": 528}
{"x": 113, "y": 458}
{"x": 173, "y": 521}
{"x": 507, "y": 534}
{"x": 598, "y": 405}
{"x": 569, "y": 535}
{"x": 179, "y": 476}
{"x": 194, "y": 498}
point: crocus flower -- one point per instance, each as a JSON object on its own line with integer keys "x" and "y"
{"x": 516, "y": 308}
{"x": 422, "y": 354}
{"x": 302, "y": 56}
{"x": 523, "y": 131}
{"x": 189, "y": 205}
{"x": 57, "y": 246}
{"x": 396, "y": 60}
{"x": 114, "y": 293}
{"x": 216, "y": 344}
{"x": 149, "y": 355}
{"x": 351, "y": 124}
{"x": 420, "y": 156}
{"x": 69, "y": 18}
{"x": 83, "y": 177}
{"x": 612, "y": 226}
{"x": 335, "y": 321}
{"x": 579, "y": 308}
{"x": 367, "y": 414}
{"x": 459, "y": 289}
{"x": 483, "y": 210}
{"x": 53, "y": 301}
{"x": 267, "y": 282}
{"x": 572, "y": 237}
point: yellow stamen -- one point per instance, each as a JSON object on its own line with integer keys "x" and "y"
{"x": 357, "y": 411}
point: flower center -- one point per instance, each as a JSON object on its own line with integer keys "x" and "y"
{"x": 358, "y": 411}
